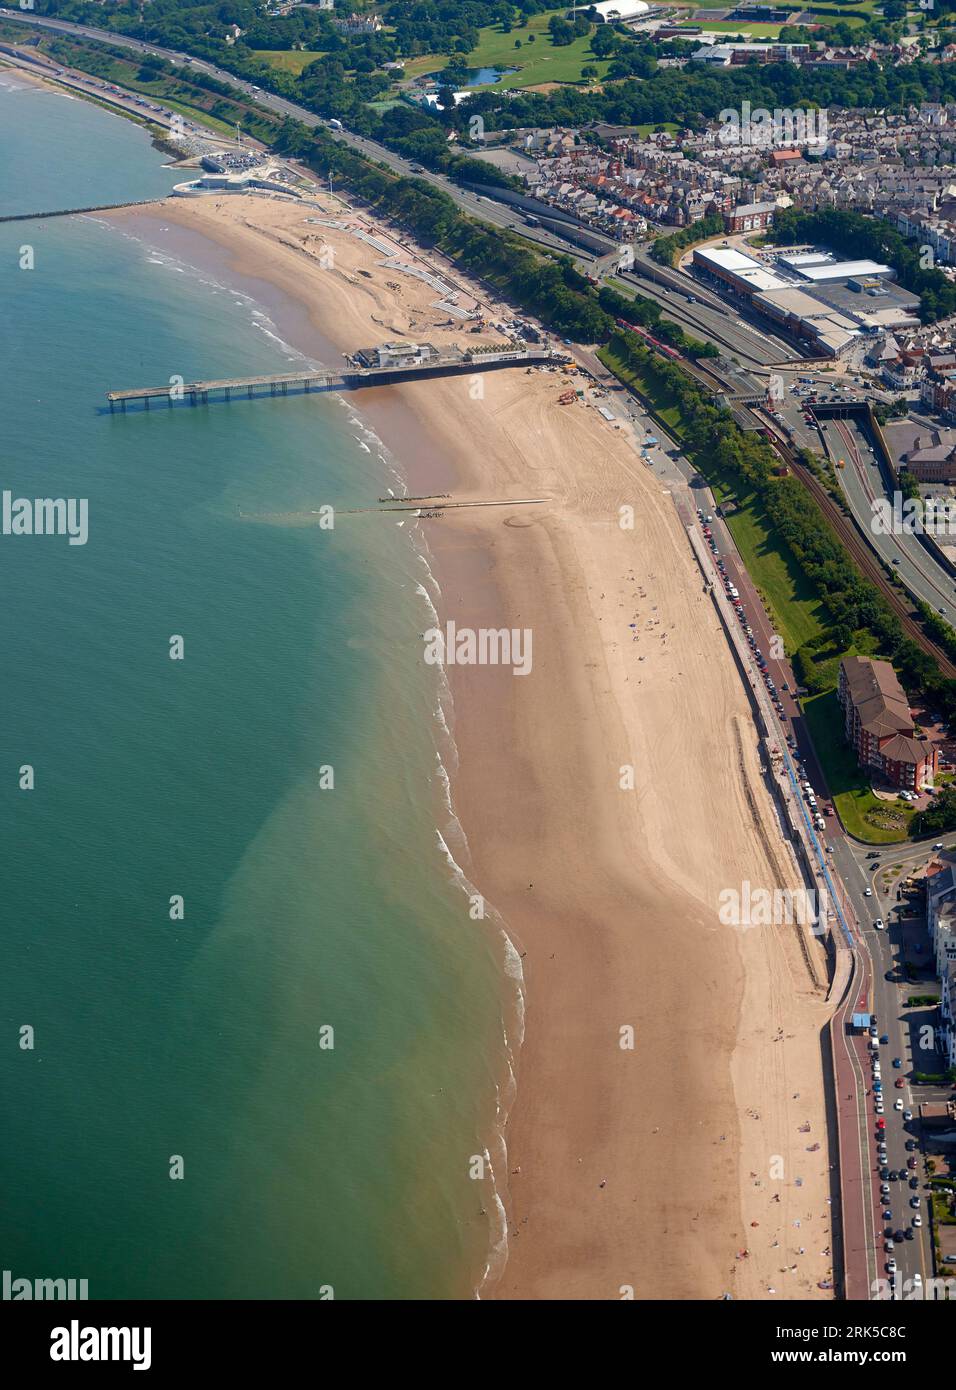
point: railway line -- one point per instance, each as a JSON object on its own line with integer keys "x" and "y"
{"x": 845, "y": 529}
{"x": 867, "y": 562}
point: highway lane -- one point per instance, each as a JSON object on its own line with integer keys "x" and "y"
{"x": 718, "y": 327}
{"x": 863, "y": 480}
{"x": 710, "y": 313}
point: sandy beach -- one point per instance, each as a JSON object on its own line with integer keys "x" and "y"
{"x": 670, "y": 1106}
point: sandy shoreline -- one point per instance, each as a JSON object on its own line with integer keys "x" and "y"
{"x": 653, "y": 1167}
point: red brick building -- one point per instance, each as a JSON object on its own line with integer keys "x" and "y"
{"x": 879, "y": 726}
{"x": 750, "y": 217}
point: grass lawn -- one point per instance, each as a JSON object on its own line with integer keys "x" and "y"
{"x": 664, "y": 405}
{"x": 644, "y": 130}
{"x": 797, "y": 612}
{"x": 201, "y": 117}
{"x": 539, "y": 61}
{"x": 288, "y": 59}
{"x": 848, "y": 783}
{"x": 425, "y": 62}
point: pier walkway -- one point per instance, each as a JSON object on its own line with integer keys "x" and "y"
{"x": 198, "y": 392}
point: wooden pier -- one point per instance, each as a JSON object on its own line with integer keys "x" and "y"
{"x": 198, "y": 392}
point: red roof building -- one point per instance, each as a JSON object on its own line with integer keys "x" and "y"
{"x": 879, "y": 726}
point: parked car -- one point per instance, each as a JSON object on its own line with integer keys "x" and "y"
{"x": 878, "y": 925}
{"x": 898, "y": 1103}
{"x": 907, "y": 1116}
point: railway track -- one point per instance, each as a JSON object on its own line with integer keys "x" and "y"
{"x": 848, "y": 535}
{"x": 868, "y": 563}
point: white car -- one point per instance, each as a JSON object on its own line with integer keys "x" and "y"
{"x": 878, "y": 925}
{"x": 917, "y": 1281}
{"x": 878, "y": 1107}
{"x": 897, "y": 1104}
{"x": 917, "y": 1220}
{"x": 867, "y": 892}
{"x": 891, "y": 1266}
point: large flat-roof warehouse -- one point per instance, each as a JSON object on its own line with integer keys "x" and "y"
{"x": 812, "y": 294}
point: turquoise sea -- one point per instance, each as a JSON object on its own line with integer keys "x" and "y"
{"x": 306, "y": 1168}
